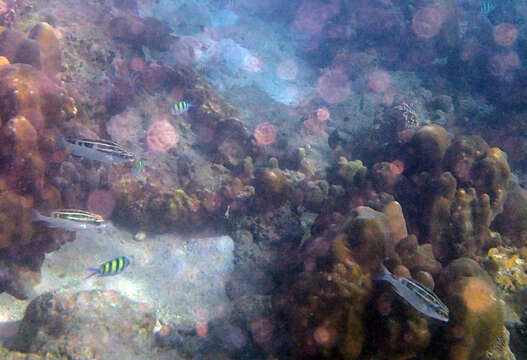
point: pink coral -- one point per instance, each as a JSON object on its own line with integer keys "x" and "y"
{"x": 162, "y": 136}
{"x": 265, "y": 133}
{"x": 123, "y": 127}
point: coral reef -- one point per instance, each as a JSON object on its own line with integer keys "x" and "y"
{"x": 32, "y": 106}
{"x": 512, "y": 222}
{"x": 327, "y": 165}
{"x": 508, "y": 268}
{"x": 477, "y": 321}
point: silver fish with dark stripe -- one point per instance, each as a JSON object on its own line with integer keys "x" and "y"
{"x": 112, "y": 267}
{"x": 71, "y": 219}
{"x": 417, "y": 295}
{"x": 100, "y": 150}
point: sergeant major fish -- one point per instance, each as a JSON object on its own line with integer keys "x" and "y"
{"x": 487, "y": 7}
{"x": 138, "y": 169}
{"x": 71, "y": 219}
{"x": 417, "y": 295}
{"x": 112, "y": 267}
{"x": 180, "y": 107}
{"x": 100, "y": 150}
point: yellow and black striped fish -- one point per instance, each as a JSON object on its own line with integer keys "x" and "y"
{"x": 180, "y": 107}
{"x": 112, "y": 267}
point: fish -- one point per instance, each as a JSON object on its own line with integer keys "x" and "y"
{"x": 138, "y": 168}
{"x": 487, "y": 7}
{"x": 419, "y": 296}
{"x": 100, "y": 150}
{"x": 112, "y": 267}
{"x": 71, "y": 219}
{"x": 180, "y": 107}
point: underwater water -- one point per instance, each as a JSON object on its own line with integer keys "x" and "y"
{"x": 263, "y": 180}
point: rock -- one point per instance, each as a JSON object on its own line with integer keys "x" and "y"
{"x": 346, "y": 170}
{"x": 430, "y": 143}
{"x": 364, "y": 238}
{"x": 461, "y": 156}
{"x": 396, "y": 223}
{"x": 50, "y": 56}
{"x": 87, "y": 324}
{"x": 28, "y": 52}
{"x": 5, "y": 354}
{"x": 476, "y": 314}
{"x": 272, "y": 184}
{"x": 512, "y": 222}
{"x": 490, "y": 176}
{"x": 443, "y": 103}
{"x": 384, "y": 176}
{"x": 9, "y": 42}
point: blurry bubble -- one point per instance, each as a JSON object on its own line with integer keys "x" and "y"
{"x": 334, "y": 86}
{"x": 379, "y": 81}
{"x": 499, "y": 64}
{"x": 427, "y": 22}
{"x": 252, "y": 63}
{"x": 505, "y": 34}
{"x": 234, "y": 337}
{"x": 287, "y": 70}
{"x": 261, "y": 330}
{"x": 325, "y": 336}
{"x": 313, "y": 15}
{"x": 323, "y": 114}
{"x": 161, "y": 136}
{"x": 137, "y": 64}
{"x": 202, "y": 329}
{"x": 313, "y": 127}
{"x": 265, "y": 133}
{"x": 123, "y": 127}
{"x": 101, "y": 202}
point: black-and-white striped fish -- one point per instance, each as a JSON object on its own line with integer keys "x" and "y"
{"x": 71, "y": 219}
{"x": 417, "y": 295}
{"x": 99, "y": 150}
{"x": 112, "y": 267}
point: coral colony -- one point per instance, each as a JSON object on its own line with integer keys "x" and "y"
{"x": 262, "y": 180}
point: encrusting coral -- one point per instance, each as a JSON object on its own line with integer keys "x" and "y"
{"x": 32, "y": 105}
{"x": 477, "y": 321}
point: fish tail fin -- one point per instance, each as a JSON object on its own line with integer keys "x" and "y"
{"x": 61, "y": 141}
{"x": 94, "y": 271}
{"x": 36, "y": 215}
{"x": 384, "y": 273}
